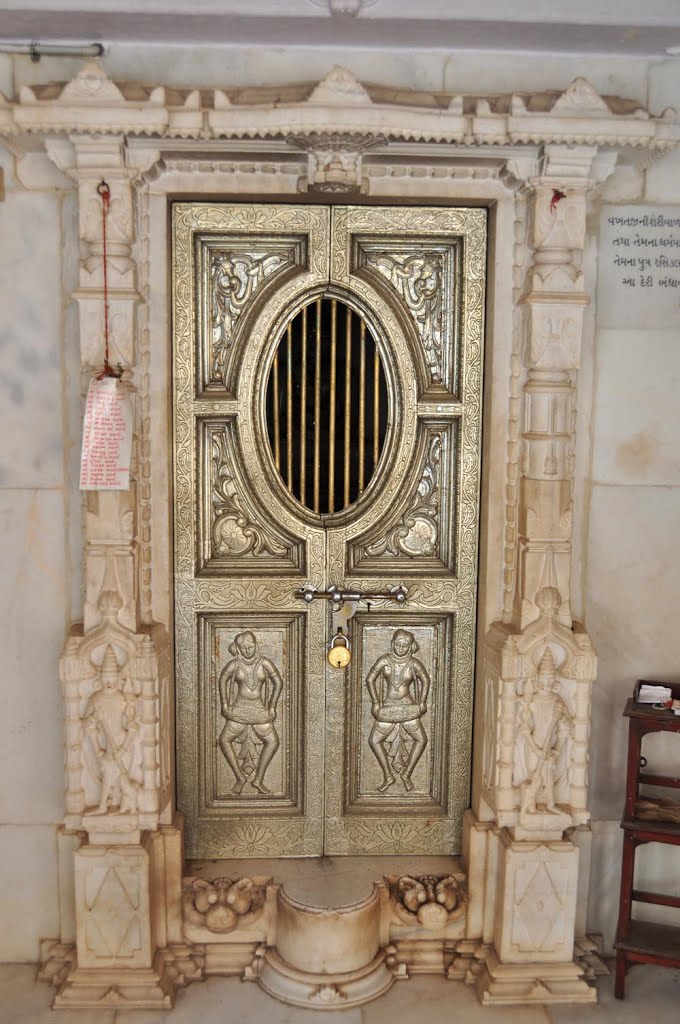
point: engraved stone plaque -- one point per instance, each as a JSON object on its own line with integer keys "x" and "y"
{"x": 639, "y": 267}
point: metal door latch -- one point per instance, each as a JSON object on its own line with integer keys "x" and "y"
{"x": 339, "y": 596}
{"x": 344, "y": 605}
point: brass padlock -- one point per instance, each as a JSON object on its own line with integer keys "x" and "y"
{"x": 339, "y": 654}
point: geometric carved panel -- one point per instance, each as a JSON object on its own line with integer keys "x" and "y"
{"x": 250, "y": 756}
{"x": 112, "y": 906}
{"x": 536, "y": 919}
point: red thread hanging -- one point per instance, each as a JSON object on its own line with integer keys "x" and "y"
{"x": 104, "y": 192}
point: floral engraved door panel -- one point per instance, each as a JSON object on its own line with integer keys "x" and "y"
{"x": 424, "y": 275}
{"x": 423, "y": 535}
{"x": 234, "y": 275}
{"x": 235, "y": 535}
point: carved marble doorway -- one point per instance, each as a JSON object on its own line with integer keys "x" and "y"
{"x": 280, "y": 754}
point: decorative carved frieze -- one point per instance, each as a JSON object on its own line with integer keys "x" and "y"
{"x": 339, "y": 103}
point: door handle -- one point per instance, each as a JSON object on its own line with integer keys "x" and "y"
{"x": 338, "y": 596}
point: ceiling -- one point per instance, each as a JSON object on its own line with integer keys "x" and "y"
{"x": 649, "y": 28}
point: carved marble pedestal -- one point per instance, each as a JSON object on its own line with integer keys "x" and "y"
{"x": 327, "y": 959}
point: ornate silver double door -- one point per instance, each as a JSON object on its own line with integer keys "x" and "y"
{"x": 327, "y": 401}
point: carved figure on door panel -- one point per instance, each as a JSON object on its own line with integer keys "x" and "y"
{"x": 544, "y": 728}
{"x": 250, "y": 686}
{"x": 113, "y": 753}
{"x": 398, "y": 685}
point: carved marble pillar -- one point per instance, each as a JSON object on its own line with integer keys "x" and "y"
{"x": 115, "y": 670}
{"x": 110, "y": 525}
{"x": 540, "y": 666}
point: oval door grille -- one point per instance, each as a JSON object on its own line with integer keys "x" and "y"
{"x": 326, "y": 406}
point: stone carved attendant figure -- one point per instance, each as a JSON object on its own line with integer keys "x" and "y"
{"x": 114, "y": 752}
{"x": 398, "y": 685}
{"x": 543, "y": 732}
{"x": 250, "y": 686}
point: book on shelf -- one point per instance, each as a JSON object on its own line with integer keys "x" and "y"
{"x": 653, "y": 693}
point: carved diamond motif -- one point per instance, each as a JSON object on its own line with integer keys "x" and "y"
{"x": 113, "y": 925}
{"x": 538, "y": 909}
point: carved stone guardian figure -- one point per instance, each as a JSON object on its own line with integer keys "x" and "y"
{"x": 112, "y": 751}
{"x": 543, "y": 732}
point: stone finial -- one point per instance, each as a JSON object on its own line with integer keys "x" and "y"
{"x": 546, "y": 666}
{"x": 340, "y": 89}
{"x": 109, "y": 662}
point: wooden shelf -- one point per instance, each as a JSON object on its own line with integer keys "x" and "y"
{"x": 647, "y": 939}
{"x": 645, "y": 942}
{"x": 665, "y": 831}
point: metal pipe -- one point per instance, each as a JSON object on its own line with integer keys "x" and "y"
{"x": 38, "y": 50}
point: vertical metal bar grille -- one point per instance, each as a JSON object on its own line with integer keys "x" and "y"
{"x": 276, "y": 410}
{"x": 303, "y": 410}
{"x": 331, "y": 412}
{"x": 327, "y": 406}
{"x": 289, "y": 404}
{"x": 362, "y": 406}
{"x": 376, "y": 408}
{"x": 317, "y": 406}
{"x": 348, "y": 403}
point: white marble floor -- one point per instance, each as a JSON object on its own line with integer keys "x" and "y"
{"x": 653, "y": 994}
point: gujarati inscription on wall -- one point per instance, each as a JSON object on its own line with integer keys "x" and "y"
{"x": 639, "y": 266}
